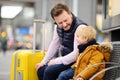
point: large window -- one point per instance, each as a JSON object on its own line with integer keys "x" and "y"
{"x": 111, "y": 15}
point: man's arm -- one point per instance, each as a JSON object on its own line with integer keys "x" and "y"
{"x": 71, "y": 57}
{"x": 53, "y": 48}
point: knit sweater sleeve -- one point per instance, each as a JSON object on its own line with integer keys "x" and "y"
{"x": 52, "y": 50}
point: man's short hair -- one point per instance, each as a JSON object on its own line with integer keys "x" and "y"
{"x": 58, "y": 9}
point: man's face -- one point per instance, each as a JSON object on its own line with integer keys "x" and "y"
{"x": 64, "y": 20}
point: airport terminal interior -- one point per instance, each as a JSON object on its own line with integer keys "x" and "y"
{"x": 17, "y": 18}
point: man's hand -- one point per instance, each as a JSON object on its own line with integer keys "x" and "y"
{"x": 39, "y": 65}
{"x": 51, "y": 62}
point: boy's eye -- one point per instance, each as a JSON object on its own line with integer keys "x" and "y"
{"x": 77, "y": 36}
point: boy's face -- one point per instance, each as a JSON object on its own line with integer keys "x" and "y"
{"x": 80, "y": 40}
{"x": 64, "y": 20}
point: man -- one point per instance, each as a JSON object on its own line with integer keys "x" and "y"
{"x": 63, "y": 40}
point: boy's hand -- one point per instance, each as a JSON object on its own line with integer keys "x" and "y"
{"x": 80, "y": 78}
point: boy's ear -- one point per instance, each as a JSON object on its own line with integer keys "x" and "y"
{"x": 86, "y": 39}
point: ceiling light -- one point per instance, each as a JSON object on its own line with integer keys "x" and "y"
{"x": 10, "y": 11}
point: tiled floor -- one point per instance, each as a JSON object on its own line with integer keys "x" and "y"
{"x": 5, "y": 65}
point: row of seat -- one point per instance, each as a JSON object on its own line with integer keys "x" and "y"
{"x": 114, "y": 73}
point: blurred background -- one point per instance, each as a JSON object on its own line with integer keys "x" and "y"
{"x": 16, "y": 24}
{"x": 16, "y": 20}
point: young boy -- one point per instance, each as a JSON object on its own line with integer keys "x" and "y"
{"x": 89, "y": 53}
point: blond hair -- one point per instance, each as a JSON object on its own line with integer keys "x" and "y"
{"x": 86, "y": 31}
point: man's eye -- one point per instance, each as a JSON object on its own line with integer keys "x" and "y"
{"x": 65, "y": 21}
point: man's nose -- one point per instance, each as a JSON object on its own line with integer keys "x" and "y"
{"x": 64, "y": 24}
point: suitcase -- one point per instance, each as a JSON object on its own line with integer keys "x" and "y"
{"x": 24, "y": 61}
